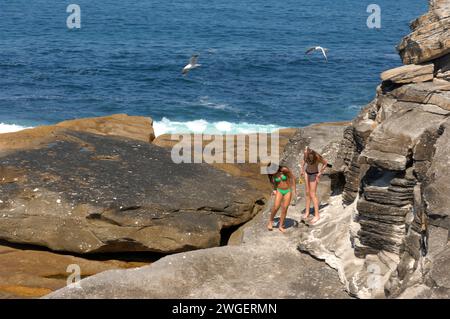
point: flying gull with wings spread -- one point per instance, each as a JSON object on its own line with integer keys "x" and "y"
{"x": 324, "y": 51}
{"x": 191, "y": 65}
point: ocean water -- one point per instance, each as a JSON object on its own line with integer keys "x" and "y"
{"x": 128, "y": 55}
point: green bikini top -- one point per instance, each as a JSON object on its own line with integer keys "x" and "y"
{"x": 283, "y": 178}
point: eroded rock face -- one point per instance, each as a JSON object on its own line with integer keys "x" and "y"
{"x": 323, "y": 138}
{"x": 394, "y": 158}
{"x": 83, "y": 192}
{"x": 251, "y": 172}
{"x": 430, "y": 37}
{"x": 134, "y": 127}
{"x": 409, "y": 74}
{"x": 222, "y": 272}
{"x": 31, "y": 273}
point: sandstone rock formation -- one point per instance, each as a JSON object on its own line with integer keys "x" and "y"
{"x": 31, "y": 273}
{"x": 81, "y": 192}
{"x": 259, "y": 264}
{"x": 410, "y": 73}
{"x": 393, "y": 212}
{"x": 251, "y": 172}
{"x": 134, "y": 127}
{"x": 430, "y": 37}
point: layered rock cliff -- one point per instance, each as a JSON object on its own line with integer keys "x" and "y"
{"x": 393, "y": 161}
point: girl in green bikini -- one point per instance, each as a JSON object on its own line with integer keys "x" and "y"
{"x": 283, "y": 182}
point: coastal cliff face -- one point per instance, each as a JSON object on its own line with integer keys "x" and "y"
{"x": 394, "y": 167}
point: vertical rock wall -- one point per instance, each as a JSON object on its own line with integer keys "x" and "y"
{"x": 395, "y": 157}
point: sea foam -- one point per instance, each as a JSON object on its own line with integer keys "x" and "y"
{"x": 8, "y": 128}
{"x": 166, "y": 126}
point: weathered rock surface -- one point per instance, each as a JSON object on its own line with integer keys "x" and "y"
{"x": 437, "y": 188}
{"x": 83, "y": 192}
{"x": 223, "y": 272}
{"x": 134, "y": 127}
{"x": 388, "y": 235}
{"x": 324, "y": 138}
{"x": 430, "y": 37}
{"x": 258, "y": 264}
{"x": 409, "y": 74}
{"x": 251, "y": 172}
{"x": 28, "y": 273}
{"x": 265, "y": 265}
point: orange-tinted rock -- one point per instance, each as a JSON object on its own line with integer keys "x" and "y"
{"x": 134, "y": 127}
{"x": 35, "y": 273}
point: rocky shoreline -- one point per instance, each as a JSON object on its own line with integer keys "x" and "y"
{"x": 107, "y": 185}
{"x": 104, "y": 188}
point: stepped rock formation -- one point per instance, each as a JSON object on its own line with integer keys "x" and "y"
{"x": 393, "y": 162}
{"x": 76, "y": 191}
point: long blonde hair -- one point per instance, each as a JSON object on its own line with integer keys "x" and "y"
{"x": 311, "y": 156}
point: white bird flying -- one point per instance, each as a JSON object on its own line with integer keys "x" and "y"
{"x": 191, "y": 65}
{"x": 324, "y": 51}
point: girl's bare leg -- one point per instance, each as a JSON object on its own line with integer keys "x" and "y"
{"x": 315, "y": 200}
{"x": 284, "y": 208}
{"x": 276, "y": 206}
{"x": 307, "y": 197}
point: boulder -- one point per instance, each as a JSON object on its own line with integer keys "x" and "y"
{"x": 391, "y": 143}
{"x": 263, "y": 259}
{"x": 434, "y": 93}
{"x": 82, "y": 192}
{"x": 430, "y": 37}
{"x": 32, "y": 273}
{"x": 251, "y": 172}
{"x": 409, "y": 74}
{"x": 133, "y": 127}
{"x": 230, "y": 272}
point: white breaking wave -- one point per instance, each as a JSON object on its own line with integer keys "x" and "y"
{"x": 8, "y": 128}
{"x": 166, "y": 126}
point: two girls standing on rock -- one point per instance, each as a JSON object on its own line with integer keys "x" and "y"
{"x": 284, "y": 185}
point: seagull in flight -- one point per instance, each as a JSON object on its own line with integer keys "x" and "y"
{"x": 324, "y": 51}
{"x": 192, "y": 64}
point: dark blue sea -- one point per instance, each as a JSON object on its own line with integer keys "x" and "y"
{"x": 128, "y": 55}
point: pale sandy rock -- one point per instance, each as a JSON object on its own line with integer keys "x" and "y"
{"x": 411, "y": 73}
